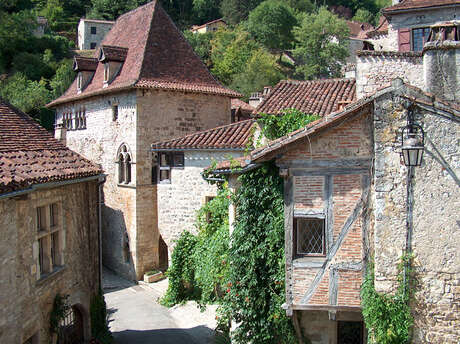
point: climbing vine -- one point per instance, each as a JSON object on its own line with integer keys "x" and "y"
{"x": 275, "y": 126}
{"x": 60, "y": 309}
{"x": 255, "y": 288}
{"x": 388, "y": 317}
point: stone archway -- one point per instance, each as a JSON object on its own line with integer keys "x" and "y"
{"x": 73, "y": 329}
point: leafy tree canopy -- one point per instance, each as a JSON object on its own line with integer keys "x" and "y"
{"x": 235, "y": 11}
{"x": 364, "y": 16}
{"x": 206, "y": 10}
{"x": 271, "y": 23}
{"x": 322, "y": 44}
{"x": 201, "y": 43}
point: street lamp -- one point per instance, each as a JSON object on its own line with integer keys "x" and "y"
{"x": 412, "y": 141}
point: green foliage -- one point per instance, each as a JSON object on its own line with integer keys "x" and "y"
{"x": 181, "y": 273}
{"x": 388, "y": 317}
{"x": 60, "y": 309}
{"x": 63, "y": 78}
{"x": 322, "y": 44}
{"x": 275, "y": 126}
{"x": 99, "y": 319}
{"x": 32, "y": 66}
{"x": 201, "y": 44}
{"x": 235, "y": 11}
{"x": 364, "y": 16}
{"x": 255, "y": 290}
{"x": 301, "y": 5}
{"x": 211, "y": 251}
{"x": 261, "y": 70}
{"x": 112, "y": 9}
{"x": 271, "y": 23}
{"x": 206, "y": 10}
{"x": 53, "y": 11}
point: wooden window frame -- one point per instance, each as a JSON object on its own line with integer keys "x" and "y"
{"x": 176, "y": 160}
{"x": 295, "y": 237}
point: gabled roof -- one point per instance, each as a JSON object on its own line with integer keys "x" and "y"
{"x": 239, "y": 104}
{"x": 235, "y": 136}
{"x": 158, "y": 56}
{"x": 425, "y": 101}
{"x": 408, "y": 5}
{"x": 357, "y": 28}
{"x": 319, "y": 97}
{"x": 381, "y": 29}
{"x": 31, "y": 155}
{"x": 197, "y": 27}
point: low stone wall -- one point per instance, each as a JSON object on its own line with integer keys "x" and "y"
{"x": 376, "y": 69}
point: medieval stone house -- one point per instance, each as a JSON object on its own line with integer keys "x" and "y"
{"x": 145, "y": 84}
{"x": 350, "y": 198}
{"x": 49, "y": 201}
{"x": 91, "y": 32}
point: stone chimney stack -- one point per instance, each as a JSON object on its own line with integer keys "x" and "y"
{"x": 60, "y": 132}
{"x": 441, "y": 61}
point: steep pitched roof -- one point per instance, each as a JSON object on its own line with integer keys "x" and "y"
{"x": 158, "y": 56}
{"x": 235, "y": 136}
{"x": 320, "y": 97}
{"x": 30, "y": 155}
{"x": 406, "y": 5}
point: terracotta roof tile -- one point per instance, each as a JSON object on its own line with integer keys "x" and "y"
{"x": 31, "y": 155}
{"x": 239, "y": 104}
{"x": 159, "y": 56}
{"x": 235, "y": 136}
{"x": 357, "y": 28}
{"x": 319, "y": 97}
{"x": 419, "y": 4}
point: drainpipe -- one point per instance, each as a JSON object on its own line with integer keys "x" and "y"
{"x": 100, "y": 203}
{"x": 409, "y": 222}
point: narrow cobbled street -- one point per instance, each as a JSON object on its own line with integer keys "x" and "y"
{"x": 135, "y": 316}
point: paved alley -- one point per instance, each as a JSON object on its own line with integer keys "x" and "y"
{"x": 137, "y": 318}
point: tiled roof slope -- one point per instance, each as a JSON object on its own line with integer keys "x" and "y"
{"x": 319, "y": 97}
{"x": 30, "y": 155}
{"x": 158, "y": 56}
{"x": 239, "y": 104}
{"x": 357, "y": 27}
{"x": 418, "y": 4}
{"x": 235, "y": 136}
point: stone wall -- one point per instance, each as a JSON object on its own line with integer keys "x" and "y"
{"x": 436, "y": 218}
{"x": 85, "y": 37}
{"x": 375, "y": 70}
{"x": 30, "y": 300}
{"x": 179, "y": 201}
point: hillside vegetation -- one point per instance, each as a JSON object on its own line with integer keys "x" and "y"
{"x": 245, "y": 56}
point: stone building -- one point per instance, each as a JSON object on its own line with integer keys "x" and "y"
{"x": 182, "y": 189}
{"x": 49, "y": 201}
{"x": 405, "y": 25}
{"x": 350, "y": 198}
{"x": 209, "y": 27}
{"x": 145, "y": 84}
{"x": 91, "y": 32}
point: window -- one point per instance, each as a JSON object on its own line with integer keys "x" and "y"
{"x": 80, "y": 119}
{"x": 93, "y": 30}
{"x": 67, "y": 120}
{"x": 106, "y": 72}
{"x": 92, "y": 45}
{"x": 79, "y": 81}
{"x": 350, "y": 332}
{"x": 124, "y": 165}
{"x": 114, "y": 112}
{"x": 309, "y": 237}
{"x": 419, "y": 37}
{"x": 49, "y": 229}
{"x": 166, "y": 160}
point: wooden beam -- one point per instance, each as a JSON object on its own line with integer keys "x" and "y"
{"x": 327, "y": 172}
{"x": 360, "y": 163}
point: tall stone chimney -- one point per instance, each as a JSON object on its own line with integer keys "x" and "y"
{"x": 441, "y": 61}
{"x": 60, "y": 133}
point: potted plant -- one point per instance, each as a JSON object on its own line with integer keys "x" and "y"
{"x": 153, "y": 276}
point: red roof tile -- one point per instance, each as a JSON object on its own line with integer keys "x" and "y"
{"x": 158, "y": 56}
{"x": 319, "y": 97}
{"x": 235, "y": 136}
{"x": 31, "y": 155}
{"x": 239, "y": 104}
{"x": 381, "y": 29}
{"x": 418, "y": 4}
{"x": 356, "y": 28}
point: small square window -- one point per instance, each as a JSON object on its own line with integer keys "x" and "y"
{"x": 419, "y": 38}
{"x": 178, "y": 159}
{"x": 93, "y": 30}
{"x": 309, "y": 237}
{"x": 92, "y": 45}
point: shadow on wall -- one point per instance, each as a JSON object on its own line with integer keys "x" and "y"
{"x": 116, "y": 254}
{"x": 163, "y": 252}
{"x": 195, "y": 335}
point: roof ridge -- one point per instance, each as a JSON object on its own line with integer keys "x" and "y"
{"x": 296, "y": 82}
{"x": 134, "y": 10}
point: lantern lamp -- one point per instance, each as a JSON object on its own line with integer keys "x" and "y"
{"x": 412, "y": 142}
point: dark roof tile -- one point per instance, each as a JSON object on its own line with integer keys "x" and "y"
{"x": 418, "y": 4}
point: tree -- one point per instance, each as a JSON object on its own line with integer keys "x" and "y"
{"x": 271, "y": 23}
{"x": 364, "y": 16}
{"x": 322, "y": 45}
{"x": 261, "y": 70}
{"x": 63, "y": 78}
{"x": 201, "y": 44}
{"x": 301, "y": 5}
{"x": 112, "y": 9}
{"x": 235, "y": 11}
{"x": 206, "y": 10}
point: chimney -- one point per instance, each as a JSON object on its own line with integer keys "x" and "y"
{"x": 441, "y": 61}
{"x": 60, "y": 132}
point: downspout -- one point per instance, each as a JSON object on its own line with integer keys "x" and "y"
{"x": 409, "y": 224}
{"x": 100, "y": 203}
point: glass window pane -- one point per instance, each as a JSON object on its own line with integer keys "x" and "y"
{"x": 55, "y": 249}
{"x": 41, "y": 218}
{"x": 164, "y": 175}
{"x": 41, "y": 257}
{"x": 165, "y": 159}
{"x": 310, "y": 236}
{"x": 179, "y": 159}
{"x": 54, "y": 214}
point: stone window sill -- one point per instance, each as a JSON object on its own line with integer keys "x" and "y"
{"x": 129, "y": 186}
{"x": 44, "y": 278}
{"x": 308, "y": 262}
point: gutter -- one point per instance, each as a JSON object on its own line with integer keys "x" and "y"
{"x": 245, "y": 169}
{"x": 198, "y": 149}
{"x": 49, "y": 186}
{"x": 100, "y": 203}
{"x": 419, "y": 9}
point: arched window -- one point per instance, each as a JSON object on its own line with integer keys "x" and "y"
{"x": 124, "y": 161}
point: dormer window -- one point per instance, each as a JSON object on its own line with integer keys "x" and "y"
{"x": 112, "y": 59}
{"x": 85, "y": 68}
{"x": 106, "y": 72}
{"x": 79, "y": 80}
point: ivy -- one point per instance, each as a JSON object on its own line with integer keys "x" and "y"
{"x": 275, "y": 126}
{"x": 99, "y": 319}
{"x": 60, "y": 309}
{"x": 388, "y": 317}
{"x": 255, "y": 288}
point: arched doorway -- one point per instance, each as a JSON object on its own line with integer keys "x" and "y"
{"x": 163, "y": 252}
{"x": 71, "y": 327}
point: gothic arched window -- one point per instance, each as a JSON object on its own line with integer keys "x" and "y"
{"x": 124, "y": 162}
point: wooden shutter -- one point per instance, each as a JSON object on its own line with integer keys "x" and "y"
{"x": 404, "y": 39}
